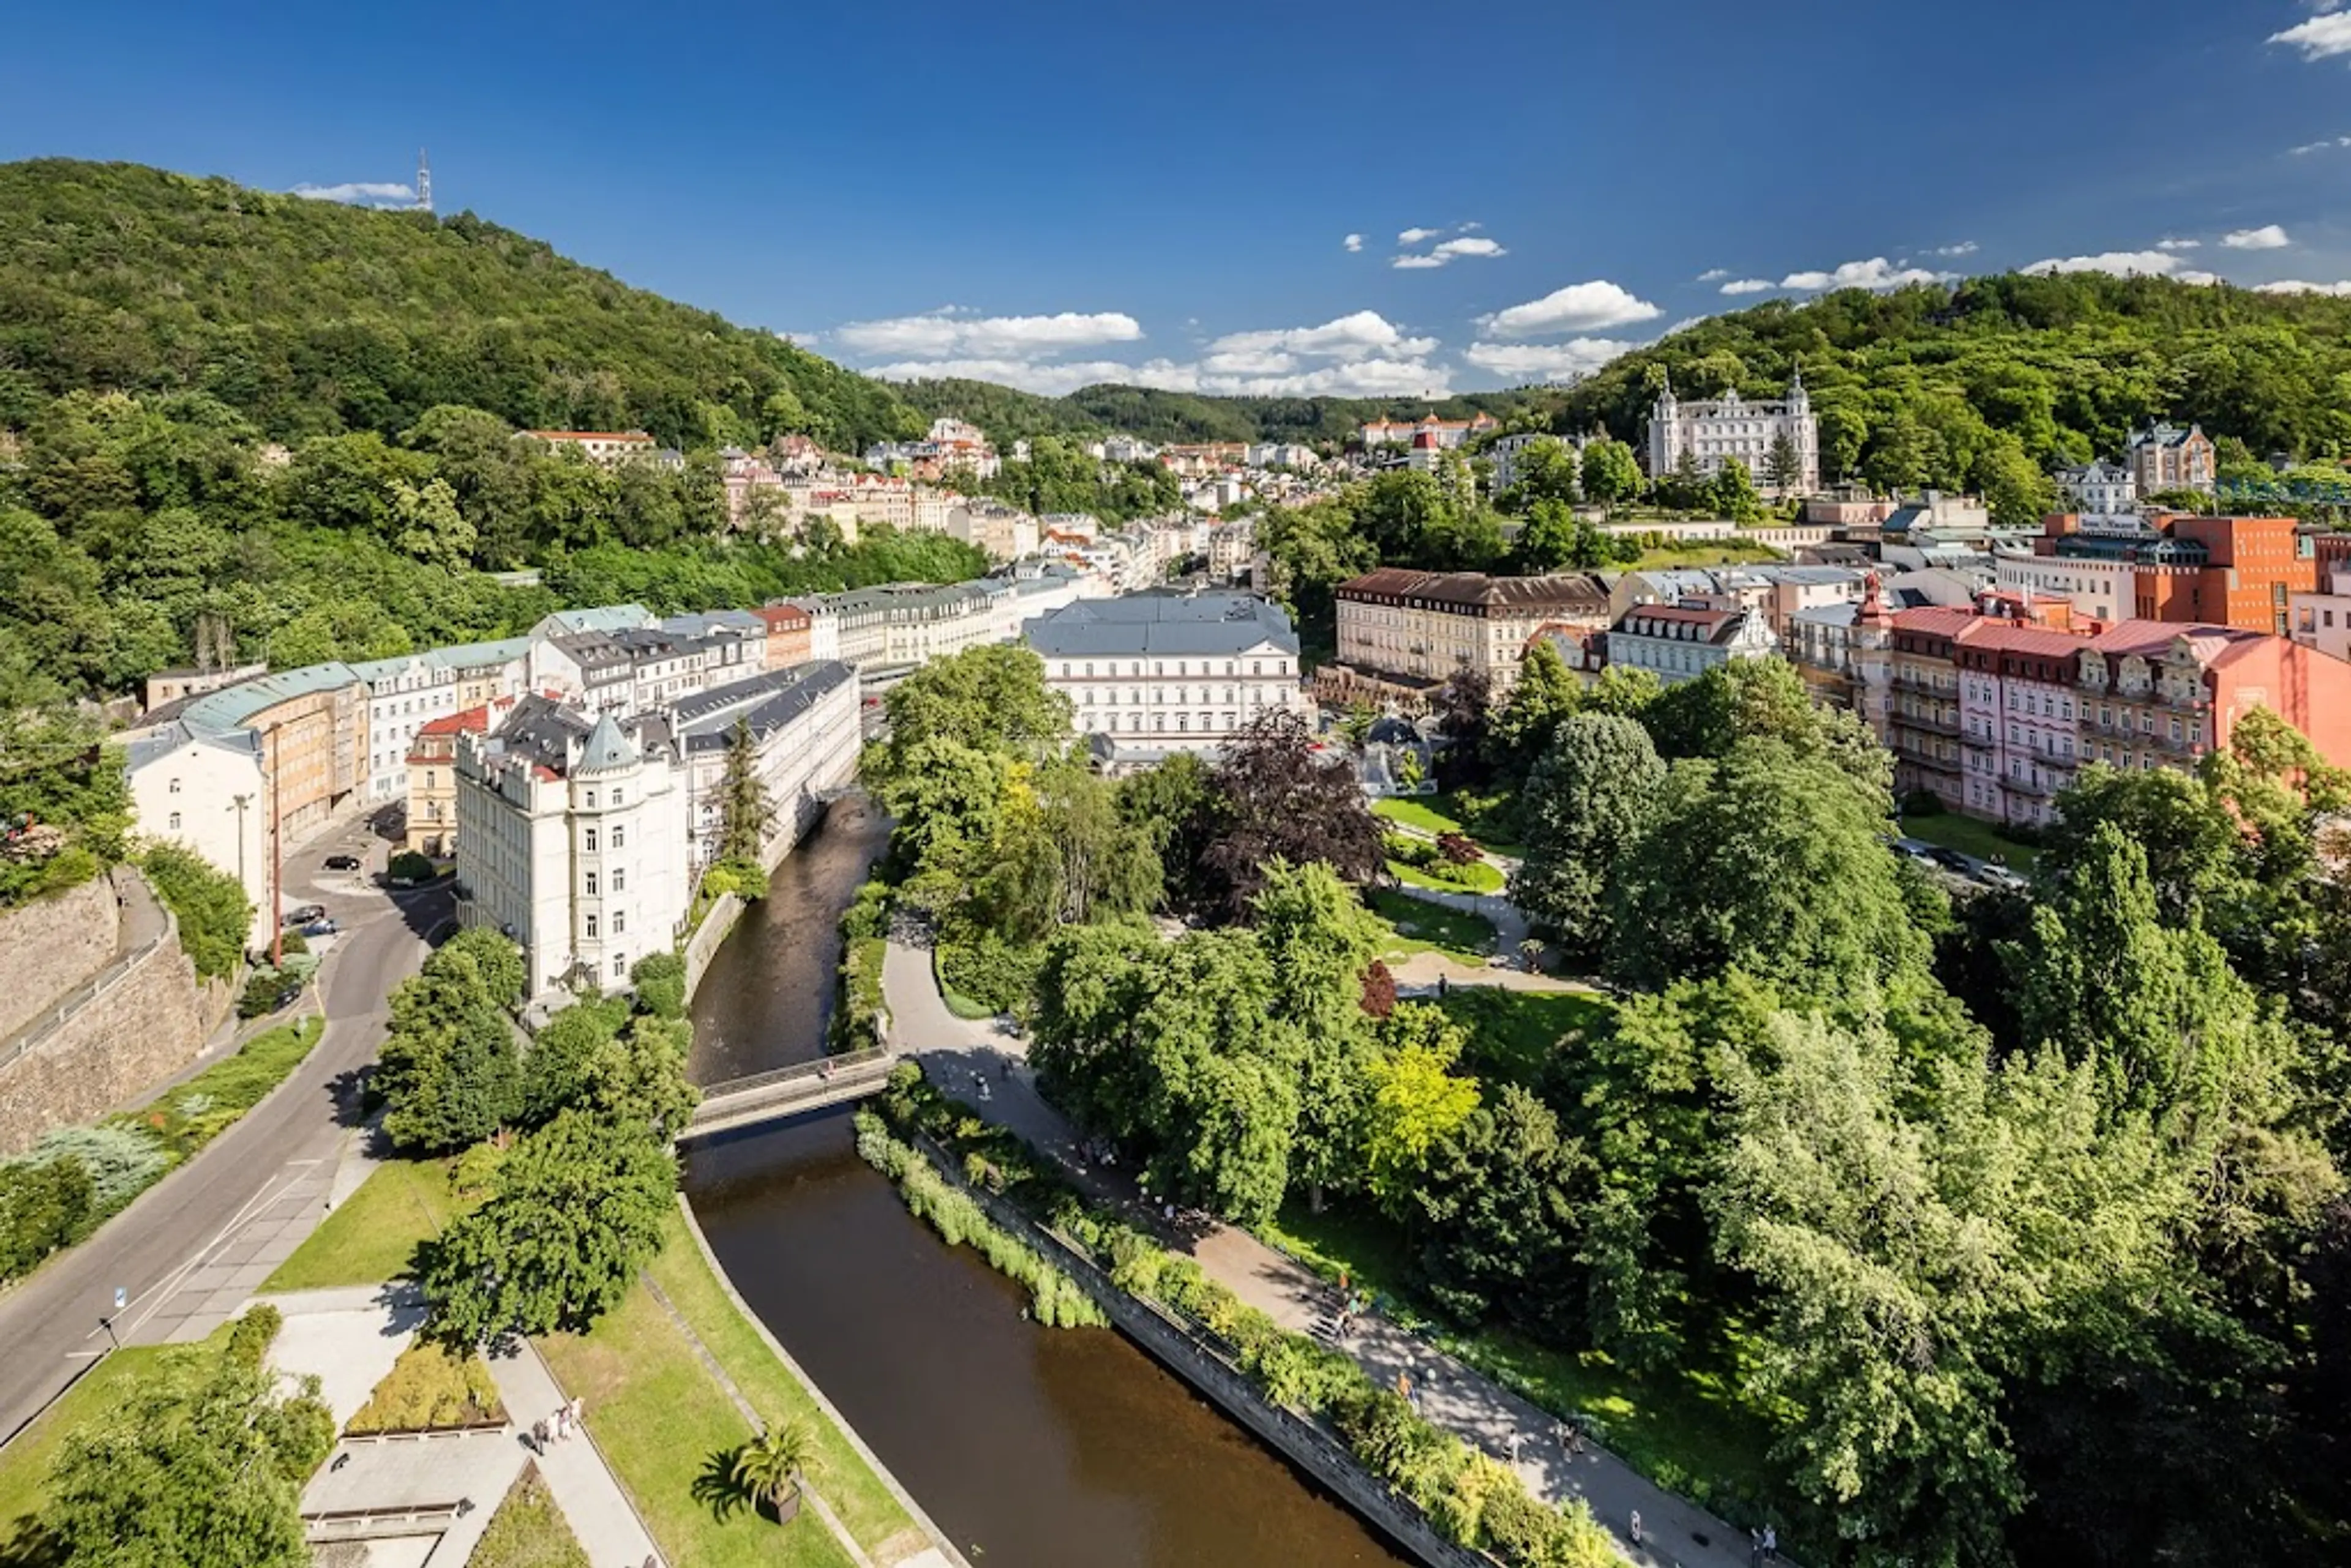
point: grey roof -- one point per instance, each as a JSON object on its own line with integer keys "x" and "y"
{"x": 730, "y": 623}
{"x": 1843, "y": 614}
{"x": 1162, "y": 623}
{"x": 541, "y": 731}
{"x": 595, "y": 651}
{"x": 1808, "y": 576}
{"x": 600, "y": 617}
{"x": 606, "y": 746}
{"x": 468, "y": 655}
{"x": 156, "y": 744}
{"x": 763, "y": 703}
{"x": 232, "y": 706}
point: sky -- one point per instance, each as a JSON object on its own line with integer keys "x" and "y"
{"x": 1279, "y": 196}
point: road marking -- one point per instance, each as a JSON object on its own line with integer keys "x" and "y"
{"x": 84, "y": 1354}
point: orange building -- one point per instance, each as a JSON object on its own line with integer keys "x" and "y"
{"x": 790, "y": 630}
{"x": 2219, "y": 571}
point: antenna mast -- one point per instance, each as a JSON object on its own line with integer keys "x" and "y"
{"x": 423, "y": 182}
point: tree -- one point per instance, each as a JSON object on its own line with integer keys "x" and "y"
{"x": 427, "y": 525}
{"x": 1754, "y": 698}
{"x": 1610, "y": 472}
{"x": 449, "y": 1073}
{"x": 1586, "y": 803}
{"x": 554, "y": 1073}
{"x": 1545, "y": 470}
{"x": 496, "y": 960}
{"x": 576, "y": 1210}
{"x": 991, "y": 698}
{"x": 1785, "y": 468}
{"x": 1546, "y": 692}
{"x": 769, "y": 1468}
{"x": 1062, "y": 853}
{"x": 1492, "y": 1221}
{"x": 213, "y": 913}
{"x": 659, "y": 982}
{"x": 745, "y": 809}
{"x": 1465, "y": 710}
{"x": 1324, "y": 946}
{"x": 1279, "y": 798}
{"x": 204, "y": 1469}
{"x": 1731, "y": 492}
{"x": 1415, "y": 1101}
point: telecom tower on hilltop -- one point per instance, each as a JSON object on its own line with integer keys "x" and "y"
{"x": 423, "y": 182}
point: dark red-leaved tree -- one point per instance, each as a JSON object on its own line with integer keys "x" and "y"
{"x": 1379, "y": 990}
{"x": 1276, "y": 796}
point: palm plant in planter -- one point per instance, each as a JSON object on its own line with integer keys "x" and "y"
{"x": 770, "y": 1467}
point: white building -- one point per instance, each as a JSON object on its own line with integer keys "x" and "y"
{"x": 2323, "y": 620}
{"x": 1504, "y": 455}
{"x": 571, "y": 840}
{"x": 2100, "y": 590}
{"x": 805, "y": 736}
{"x": 2100, "y": 489}
{"x": 1152, "y": 673}
{"x": 407, "y": 693}
{"x": 1680, "y": 643}
{"x": 1708, "y": 432}
{"x": 604, "y": 448}
{"x": 207, "y": 793}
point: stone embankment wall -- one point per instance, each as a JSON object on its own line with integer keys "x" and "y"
{"x": 52, "y": 947}
{"x": 703, "y": 945}
{"x": 1198, "y": 1362}
{"x": 137, "y": 1020}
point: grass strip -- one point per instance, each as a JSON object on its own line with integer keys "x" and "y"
{"x": 528, "y": 1531}
{"x": 374, "y": 1237}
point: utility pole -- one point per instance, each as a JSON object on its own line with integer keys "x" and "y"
{"x": 423, "y": 182}
{"x": 277, "y": 862}
{"x": 241, "y": 802}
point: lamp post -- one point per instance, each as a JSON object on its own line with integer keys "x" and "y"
{"x": 277, "y": 856}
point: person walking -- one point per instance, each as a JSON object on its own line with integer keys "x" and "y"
{"x": 578, "y": 1411}
{"x": 539, "y": 1435}
{"x": 1771, "y": 1544}
{"x": 1635, "y": 1531}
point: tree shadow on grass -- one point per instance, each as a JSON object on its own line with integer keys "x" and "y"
{"x": 716, "y": 1489}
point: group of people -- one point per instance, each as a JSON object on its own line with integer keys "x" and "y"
{"x": 558, "y": 1428}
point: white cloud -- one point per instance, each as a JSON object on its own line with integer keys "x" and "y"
{"x": 1589, "y": 307}
{"x": 2295, "y": 286}
{"x": 942, "y": 334}
{"x": 2319, "y": 38}
{"x": 1364, "y": 335}
{"x": 1413, "y": 237}
{"x": 1365, "y": 378}
{"x": 1749, "y": 285}
{"x": 1471, "y": 228}
{"x": 1875, "y": 273}
{"x": 2269, "y": 237}
{"x": 361, "y": 193}
{"x": 2121, "y": 263}
{"x": 1965, "y": 247}
{"x": 1354, "y": 241}
{"x": 2323, "y": 144}
{"x": 1544, "y": 361}
{"x": 1416, "y": 263}
{"x": 2178, "y": 244}
{"x": 1714, "y": 275}
{"x": 1475, "y": 244}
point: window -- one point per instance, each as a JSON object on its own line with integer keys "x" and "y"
{"x": 592, "y": 928}
{"x": 616, "y": 794}
{"x": 588, "y": 839}
{"x": 589, "y": 887}
{"x": 175, "y": 787}
{"x": 591, "y": 800}
{"x": 175, "y": 821}
{"x": 620, "y": 921}
{"x": 618, "y": 836}
{"x": 619, "y": 966}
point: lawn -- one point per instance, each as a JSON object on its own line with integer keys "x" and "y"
{"x": 1513, "y": 1033}
{"x": 1687, "y": 1430}
{"x": 662, "y": 1419}
{"x": 1971, "y": 837}
{"x": 1423, "y": 927}
{"x": 962, "y": 1006}
{"x": 1474, "y": 877}
{"x": 1440, "y": 814}
{"x": 528, "y": 1531}
{"x": 373, "y": 1235}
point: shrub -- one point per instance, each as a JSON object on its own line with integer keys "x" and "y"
{"x": 868, "y": 914}
{"x": 429, "y": 1387}
{"x": 410, "y": 866}
{"x": 991, "y": 971}
{"x": 266, "y": 990}
{"x": 660, "y": 982}
{"x": 44, "y": 1204}
{"x": 744, "y": 879}
{"x": 249, "y": 1341}
{"x": 1458, "y": 849}
{"x": 215, "y": 917}
{"x": 122, "y": 1162}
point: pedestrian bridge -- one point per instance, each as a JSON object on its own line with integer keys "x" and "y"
{"x": 789, "y": 1092}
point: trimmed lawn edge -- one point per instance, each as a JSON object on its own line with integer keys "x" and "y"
{"x": 817, "y": 1396}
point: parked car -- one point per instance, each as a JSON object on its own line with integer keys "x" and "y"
{"x": 326, "y": 927}
{"x": 342, "y": 862}
{"x": 295, "y": 919}
{"x": 1951, "y": 859}
{"x": 2002, "y": 877}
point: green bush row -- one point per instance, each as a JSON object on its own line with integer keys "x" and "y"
{"x": 1055, "y": 1300}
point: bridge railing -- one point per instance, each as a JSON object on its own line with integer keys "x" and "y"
{"x": 807, "y": 1072}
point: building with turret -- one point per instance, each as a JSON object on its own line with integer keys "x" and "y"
{"x": 1708, "y": 432}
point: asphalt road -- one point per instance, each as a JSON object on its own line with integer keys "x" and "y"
{"x": 49, "y": 1325}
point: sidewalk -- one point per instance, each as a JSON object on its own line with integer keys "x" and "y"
{"x": 1677, "y": 1532}
{"x": 598, "y": 1512}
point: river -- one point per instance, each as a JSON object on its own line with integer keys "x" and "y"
{"x": 1040, "y": 1448}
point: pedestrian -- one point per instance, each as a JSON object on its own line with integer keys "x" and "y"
{"x": 1754, "y": 1548}
{"x": 1514, "y": 1448}
{"x": 578, "y": 1411}
{"x": 538, "y": 1435}
{"x": 1771, "y": 1544}
{"x": 1636, "y": 1527}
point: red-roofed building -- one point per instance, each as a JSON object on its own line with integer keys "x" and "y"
{"x": 432, "y": 775}
{"x": 790, "y": 631}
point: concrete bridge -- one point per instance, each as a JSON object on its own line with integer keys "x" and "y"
{"x": 789, "y": 1092}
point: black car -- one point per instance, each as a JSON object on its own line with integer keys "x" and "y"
{"x": 295, "y": 919}
{"x": 1951, "y": 859}
{"x": 342, "y": 862}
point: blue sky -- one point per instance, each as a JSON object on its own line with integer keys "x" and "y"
{"x": 1049, "y": 193}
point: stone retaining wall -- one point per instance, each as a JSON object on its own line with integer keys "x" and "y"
{"x": 53, "y": 946}
{"x": 703, "y": 945}
{"x": 146, "y": 1024}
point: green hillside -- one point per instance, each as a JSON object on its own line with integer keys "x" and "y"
{"x": 310, "y": 317}
{"x": 1007, "y": 414}
{"x": 1983, "y": 384}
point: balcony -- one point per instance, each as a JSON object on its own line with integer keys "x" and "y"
{"x": 1933, "y": 722}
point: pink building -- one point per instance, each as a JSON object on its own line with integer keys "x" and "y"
{"x": 2018, "y": 719}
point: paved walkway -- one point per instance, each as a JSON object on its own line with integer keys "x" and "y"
{"x": 582, "y": 1483}
{"x": 963, "y": 1055}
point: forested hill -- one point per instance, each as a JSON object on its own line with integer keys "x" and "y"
{"x": 1008, "y": 414}
{"x": 310, "y": 318}
{"x": 1986, "y": 382}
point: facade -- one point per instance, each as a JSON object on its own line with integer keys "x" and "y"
{"x": 1150, "y": 673}
{"x": 2017, "y": 725}
{"x": 1446, "y": 434}
{"x": 999, "y": 532}
{"x": 571, "y": 840}
{"x": 805, "y": 736}
{"x": 207, "y": 793}
{"x": 2100, "y": 489}
{"x": 1710, "y": 431}
{"x": 1504, "y": 455}
{"x": 313, "y": 725}
{"x": 2157, "y": 694}
{"x": 2223, "y": 572}
{"x": 2165, "y": 458}
{"x": 1420, "y": 628}
{"x": 2323, "y": 620}
{"x": 604, "y": 448}
{"x": 407, "y": 693}
{"x": 790, "y": 635}
{"x": 1680, "y": 643}
{"x": 175, "y": 685}
{"x": 2100, "y": 589}
{"x": 431, "y": 825}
